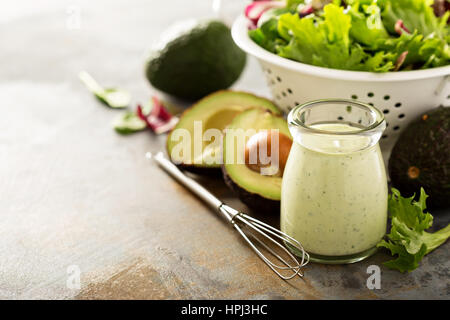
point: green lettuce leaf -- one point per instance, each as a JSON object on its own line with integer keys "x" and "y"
{"x": 128, "y": 122}
{"x": 358, "y": 35}
{"x": 404, "y": 261}
{"x": 415, "y": 14}
{"x": 422, "y": 52}
{"x": 367, "y": 27}
{"x": 325, "y": 41}
{"x": 266, "y": 36}
{"x": 293, "y": 3}
{"x": 408, "y": 239}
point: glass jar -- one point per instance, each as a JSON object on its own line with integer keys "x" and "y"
{"x": 334, "y": 190}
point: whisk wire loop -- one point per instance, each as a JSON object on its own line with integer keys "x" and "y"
{"x": 280, "y": 235}
{"x": 264, "y": 258}
{"x": 259, "y": 227}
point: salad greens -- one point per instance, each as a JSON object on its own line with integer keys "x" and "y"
{"x": 154, "y": 115}
{"x": 327, "y": 42}
{"x": 363, "y": 35}
{"x": 112, "y": 97}
{"x": 415, "y": 14}
{"x": 408, "y": 238}
{"x": 129, "y": 122}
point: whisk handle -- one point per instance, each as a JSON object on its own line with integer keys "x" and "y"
{"x": 189, "y": 183}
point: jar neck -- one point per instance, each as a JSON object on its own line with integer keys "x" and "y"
{"x": 336, "y": 125}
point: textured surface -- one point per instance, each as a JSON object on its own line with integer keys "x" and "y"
{"x": 74, "y": 193}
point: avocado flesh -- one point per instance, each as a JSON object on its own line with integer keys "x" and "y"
{"x": 218, "y": 121}
{"x": 258, "y": 191}
{"x": 215, "y": 111}
{"x": 421, "y": 158}
{"x": 194, "y": 59}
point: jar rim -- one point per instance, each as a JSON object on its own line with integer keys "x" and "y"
{"x": 294, "y": 114}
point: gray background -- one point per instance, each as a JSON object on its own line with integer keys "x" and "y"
{"x": 74, "y": 193}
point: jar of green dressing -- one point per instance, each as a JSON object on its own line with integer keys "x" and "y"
{"x": 334, "y": 190}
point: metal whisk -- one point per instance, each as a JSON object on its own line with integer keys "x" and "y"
{"x": 259, "y": 235}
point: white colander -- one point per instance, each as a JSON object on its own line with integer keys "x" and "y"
{"x": 402, "y": 96}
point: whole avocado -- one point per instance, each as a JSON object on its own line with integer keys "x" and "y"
{"x": 421, "y": 158}
{"x": 194, "y": 59}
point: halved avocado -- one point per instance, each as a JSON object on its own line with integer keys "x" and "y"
{"x": 257, "y": 191}
{"x": 215, "y": 111}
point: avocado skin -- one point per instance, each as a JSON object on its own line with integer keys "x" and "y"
{"x": 200, "y": 61}
{"x": 251, "y": 200}
{"x": 425, "y": 144}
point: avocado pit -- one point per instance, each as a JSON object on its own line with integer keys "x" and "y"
{"x": 260, "y": 191}
{"x": 259, "y": 156}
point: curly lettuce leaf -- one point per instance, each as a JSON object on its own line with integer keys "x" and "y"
{"x": 326, "y": 42}
{"x": 408, "y": 239}
{"x": 415, "y": 14}
{"x": 359, "y": 37}
{"x": 367, "y": 27}
{"x": 422, "y": 52}
{"x": 404, "y": 261}
{"x": 266, "y": 36}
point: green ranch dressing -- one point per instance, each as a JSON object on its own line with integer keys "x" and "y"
{"x": 334, "y": 200}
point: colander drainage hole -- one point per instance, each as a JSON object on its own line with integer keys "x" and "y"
{"x": 370, "y": 104}
{"x": 386, "y": 111}
{"x": 340, "y": 118}
{"x": 278, "y": 79}
{"x": 354, "y": 96}
{"x": 398, "y": 105}
{"x": 396, "y": 128}
{"x": 289, "y": 91}
{"x": 283, "y": 93}
{"x": 370, "y": 94}
{"x": 401, "y": 115}
{"x": 386, "y": 97}
{"x": 384, "y": 136}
